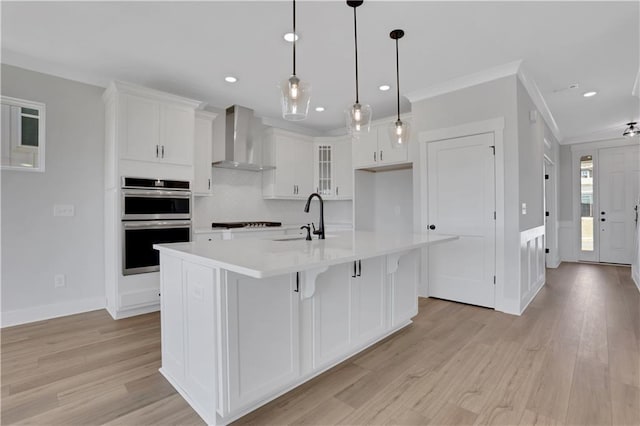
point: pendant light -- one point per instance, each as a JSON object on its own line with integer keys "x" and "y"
{"x": 398, "y": 130}
{"x": 358, "y": 116}
{"x": 632, "y": 130}
{"x": 295, "y": 94}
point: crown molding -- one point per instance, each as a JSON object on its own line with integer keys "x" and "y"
{"x": 465, "y": 81}
{"x": 599, "y": 135}
{"x": 538, "y": 100}
{"x": 512, "y": 68}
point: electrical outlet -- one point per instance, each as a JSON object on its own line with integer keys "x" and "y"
{"x": 59, "y": 280}
{"x": 524, "y": 208}
{"x": 64, "y": 210}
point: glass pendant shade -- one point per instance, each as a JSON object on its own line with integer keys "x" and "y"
{"x": 295, "y": 97}
{"x": 358, "y": 119}
{"x": 399, "y": 134}
{"x": 631, "y": 131}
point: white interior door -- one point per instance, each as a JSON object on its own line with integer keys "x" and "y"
{"x": 618, "y": 186}
{"x": 461, "y": 182}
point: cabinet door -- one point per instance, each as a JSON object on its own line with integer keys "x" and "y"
{"x": 386, "y": 153}
{"x": 176, "y": 137}
{"x": 171, "y": 314}
{"x": 262, "y": 335}
{"x": 343, "y": 171}
{"x": 369, "y": 299}
{"x": 203, "y": 156}
{"x": 404, "y": 288}
{"x": 303, "y": 164}
{"x": 323, "y": 169}
{"x": 365, "y": 149}
{"x": 331, "y": 306}
{"x": 286, "y": 149}
{"x": 199, "y": 333}
{"x": 140, "y": 128}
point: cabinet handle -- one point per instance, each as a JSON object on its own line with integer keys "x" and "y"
{"x": 354, "y": 270}
{"x": 294, "y": 190}
{"x": 209, "y": 183}
{"x": 157, "y": 151}
{"x": 337, "y": 191}
{"x": 359, "y": 267}
{"x": 374, "y": 155}
{"x": 380, "y": 155}
{"x": 162, "y": 151}
{"x": 297, "y": 290}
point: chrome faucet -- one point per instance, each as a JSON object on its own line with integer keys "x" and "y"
{"x": 320, "y": 231}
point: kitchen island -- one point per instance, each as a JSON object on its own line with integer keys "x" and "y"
{"x": 244, "y": 321}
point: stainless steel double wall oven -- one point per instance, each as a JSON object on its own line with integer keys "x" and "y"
{"x": 154, "y": 211}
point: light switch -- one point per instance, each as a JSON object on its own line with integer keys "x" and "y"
{"x": 524, "y": 208}
{"x": 64, "y": 210}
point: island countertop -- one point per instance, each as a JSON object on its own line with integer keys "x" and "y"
{"x": 262, "y": 258}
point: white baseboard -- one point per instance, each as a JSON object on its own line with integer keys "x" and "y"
{"x": 554, "y": 262}
{"x": 532, "y": 296}
{"x": 126, "y": 313}
{"x": 55, "y": 310}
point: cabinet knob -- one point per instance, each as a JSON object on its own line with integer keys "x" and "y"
{"x": 432, "y": 227}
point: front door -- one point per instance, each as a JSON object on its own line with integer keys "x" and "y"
{"x": 461, "y": 183}
{"x": 618, "y": 187}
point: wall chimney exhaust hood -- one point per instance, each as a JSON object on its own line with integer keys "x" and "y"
{"x": 239, "y": 150}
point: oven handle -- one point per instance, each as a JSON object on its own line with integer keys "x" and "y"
{"x": 156, "y": 224}
{"x": 155, "y": 193}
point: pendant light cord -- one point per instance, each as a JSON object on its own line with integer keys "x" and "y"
{"x": 398, "y": 79}
{"x": 295, "y": 35}
{"x": 355, "y": 37}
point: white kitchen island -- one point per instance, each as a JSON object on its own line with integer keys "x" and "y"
{"x": 244, "y": 321}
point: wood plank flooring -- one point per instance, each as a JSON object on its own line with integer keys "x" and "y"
{"x": 573, "y": 358}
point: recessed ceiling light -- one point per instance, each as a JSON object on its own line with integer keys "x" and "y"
{"x": 319, "y": 109}
{"x": 289, "y": 37}
{"x": 384, "y": 87}
{"x": 589, "y": 94}
{"x": 230, "y": 79}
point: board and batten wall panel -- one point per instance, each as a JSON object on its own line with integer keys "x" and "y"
{"x": 35, "y": 244}
{"x": 532, "y": 264}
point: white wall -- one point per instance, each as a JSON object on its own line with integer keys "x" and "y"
{"x": 384, "y": 200}
{"x": 35, "y": 244}
{"x": 237, "y": 196}
{"x": 485, "y": 101}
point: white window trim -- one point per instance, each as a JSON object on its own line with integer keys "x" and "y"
{"x": 41, "y": 107}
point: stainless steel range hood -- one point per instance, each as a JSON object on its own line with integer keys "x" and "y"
{"x": 239, "y": 148}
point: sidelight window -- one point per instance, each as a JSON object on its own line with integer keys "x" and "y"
{"x": 586, "y": 203}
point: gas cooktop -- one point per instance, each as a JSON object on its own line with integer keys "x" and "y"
{"x": 229, "y": 225}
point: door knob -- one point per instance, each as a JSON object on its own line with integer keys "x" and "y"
{"x": 602, "y": 212}
{"x": 603, "y": 220}
{"x": 432, "y": 227}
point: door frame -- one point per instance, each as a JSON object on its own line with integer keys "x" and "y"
{"x": 550, "y": 195}
{"x": 495, "y": 126}
{"x": 578, "y": 150}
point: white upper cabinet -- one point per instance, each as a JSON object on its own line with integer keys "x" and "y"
{"x": 152, "y": 126}
{"x": 202, "y": 173}
{"x": 374, "y": 149}
{"x": 292, "y": 156}
{"x": 332, "y": 172}
{"x": 176, "y": 134}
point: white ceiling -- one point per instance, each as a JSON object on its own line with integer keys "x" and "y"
{"x": 187, "y": 48}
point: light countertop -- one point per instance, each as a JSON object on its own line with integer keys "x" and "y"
{"x": 284, "y": 227}
{"x": 262, "y": 258}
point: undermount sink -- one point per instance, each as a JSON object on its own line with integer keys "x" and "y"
{"x": 299, "y": 237}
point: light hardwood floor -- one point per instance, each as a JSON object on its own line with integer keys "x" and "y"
{"x": 572, "y": 358}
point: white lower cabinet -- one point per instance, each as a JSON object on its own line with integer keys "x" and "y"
{"x": 230, "y": 343}
{"x": 369, "y": 288}
{"x": 332, "y": 315}
{"x": 262, "y": 337}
